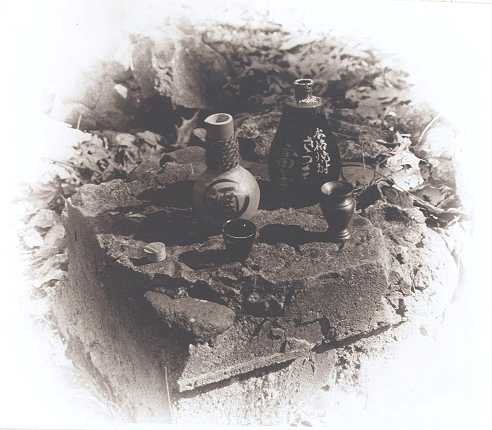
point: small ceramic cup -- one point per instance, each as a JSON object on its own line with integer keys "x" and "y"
{"x": 337, "y": 205}
{"x": 239, "y": 235}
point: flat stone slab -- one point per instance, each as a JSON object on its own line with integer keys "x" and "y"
{"x": 201, "y": 318}
{"x": 295, "y": 293}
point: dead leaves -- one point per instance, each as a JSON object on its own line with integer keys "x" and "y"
{"x": 402, "y": 178}
{"x": 43, "y": 236}
{"x": 403, "y": 166}
{"x": 46, "y": 247}
{"x": 44, "y": 218}
{"x": 109, "y": 155}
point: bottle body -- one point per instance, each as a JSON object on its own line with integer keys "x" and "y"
{"x": 304, "y": 154}
{"x": 221, "y": 196}
{"x": 225, "y": 190}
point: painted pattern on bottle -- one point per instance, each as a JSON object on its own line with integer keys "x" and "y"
{"x": 316, "y": 158}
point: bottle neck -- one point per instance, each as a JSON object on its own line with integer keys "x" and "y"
{"x": 222, "y": 155}
{"x": 303, "y": 94}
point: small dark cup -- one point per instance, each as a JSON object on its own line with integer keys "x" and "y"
{"x": 239, "y": 235}
{"x": 337, "y": 205}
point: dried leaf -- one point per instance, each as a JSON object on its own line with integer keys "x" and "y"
{"x": 150, "y": 138}
{"x": 32, "y": 238}
{"x": 55, "y": 236}
{"x": 135, "y": 216}
{"x": 184, "y": 131}
{"x": 44, "y": 218}
{"x": 54, "y": 274}
{"x": 404, "y": 169}
{"x": 54, "y": 262}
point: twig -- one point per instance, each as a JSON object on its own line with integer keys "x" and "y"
{"x": 171, "y": 411}
{"x": 427, "y": 128}
{"x": 375, "y": 171}
{"x": 418, "y": 200}
{"x": 343, "y": 134}
{"x": 361, "y": 144}
{"x": 64, "y": 164}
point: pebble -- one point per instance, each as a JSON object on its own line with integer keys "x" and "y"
{"x": 155, "y": 252}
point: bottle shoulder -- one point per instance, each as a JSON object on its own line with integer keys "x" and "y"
{"x": 211, "y": 174}
{"x": 312, "y": 103}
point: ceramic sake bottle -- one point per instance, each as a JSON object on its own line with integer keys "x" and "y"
{"x": 226, "y": 190}
{"x": 304, "y": 154}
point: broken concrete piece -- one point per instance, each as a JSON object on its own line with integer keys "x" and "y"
{"x": 420, "y": 261}
{"x": 174, "y": 68}
{"x": 218, "y": 324}
{"x": 293, "y": 280}
{"x": 202, "y": 319}
{"x": 214, "y": 324}
{"x": 297, "y": 301}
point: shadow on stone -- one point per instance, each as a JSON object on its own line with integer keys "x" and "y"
{"x": 205, "y": 259}
{"x": 247, "y": 150}
{"x": 172, "y": 227}
{"x": 292, "y": 235}
{"x": 272, "y": 199}
{"x": 157, "y": 114}
{"x": 202, "y": 291}
{"x": 176, "y": 195}
{"x": 140, "y": 261}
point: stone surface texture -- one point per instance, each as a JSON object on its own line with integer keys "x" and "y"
{"x": 202, "y": 319}
{"x": 215, "y": 326}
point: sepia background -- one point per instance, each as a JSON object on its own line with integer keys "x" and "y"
{"x": 445, "y": 47}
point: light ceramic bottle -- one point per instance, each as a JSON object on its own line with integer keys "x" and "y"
{"x": 226, "y": 190}
{"x": 304, "y": 154}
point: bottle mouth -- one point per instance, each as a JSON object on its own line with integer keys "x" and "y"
{"x": 218, "y": 119}
{"x": 219, "y": 126}
{"x": 304, "y": 82}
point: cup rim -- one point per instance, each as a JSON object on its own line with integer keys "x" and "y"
{"x": 218, "y": 119}
{"x": 246, "y": 222}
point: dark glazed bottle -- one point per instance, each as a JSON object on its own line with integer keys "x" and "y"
{"x": 304, "y": 154}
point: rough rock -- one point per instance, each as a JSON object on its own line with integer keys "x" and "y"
{"x": 294, "y": 279}
{"x": 150, "y": 137}
{"x": 202, "y": 319}
{"x": 296, "y": 296}
{"x": 174, "y": 68}
{"x": 422, "y": 267}
{"x": 267, "y": 396}
{"x": 96, "y": 102}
